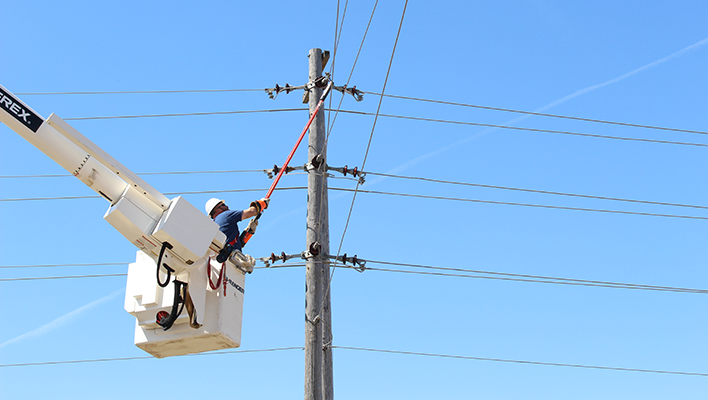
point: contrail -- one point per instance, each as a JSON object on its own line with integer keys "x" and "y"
{"x": 551, "y": 105}
{"x": 61, "y": 321}
{"x": 625, "y": 76}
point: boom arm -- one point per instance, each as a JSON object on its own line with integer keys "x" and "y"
{"x": 138, "y": 211}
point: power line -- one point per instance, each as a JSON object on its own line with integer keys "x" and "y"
{"x": 376, "y": 94}
{"x": 60, "y": 265}
{"x": 383, "y": 175}
{"x": 184, "y": 114}
{"x": 388, "y": 194}
{"x": 139, "y": 173}
{"x": 140, "y": 92}
{"x": 337, "y": 37}
{"x": 522, "y": 361}
{"x": 378, "y": 114}
{"x": 103, "y": 275}
{"x": 534, "y": 190}
{"x": 356, "y": 59}
{"x": 371, "y": 136}
{"x": 59, "y": 277}
{"x": 166, "y": 193}
{"x": 543, "y": 114}
{"x": 528, "y": 278}
{"x": 504, "y": 276}
{"x": 528, "y": 129}
{"x": 522, "y": 204}
{"x": 121, "y": 263}
{"x": 362, "y": 349}
{"x": 148, "y": 357}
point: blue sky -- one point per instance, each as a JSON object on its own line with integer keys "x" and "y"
{"x": 631, "y": 62}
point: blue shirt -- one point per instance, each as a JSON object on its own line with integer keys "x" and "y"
{"x": 228, "y": 224}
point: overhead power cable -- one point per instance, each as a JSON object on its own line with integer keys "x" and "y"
{"x": 185, "y": 114}
{"x": 356, "y": 59}
{"x": 60, "y": 265}
{"x": 67, "y": 175}
{"x": 463, "y": 273}
{"x": 388, "y": 176}
{"x": 389, "y": 194}
{"x": 373, "y": 127}
{"x": 526, "y": 277}
{"x": 534, "y": 190}
{"x": 377, "y": 94}
{"x": 543, "y": 114}
{"x": 654, "y": 371}
{"x": 337, "y": 37}
{"x": 521, "y": 204}
{"x": 105, "y": 275}
{"x": 147, "y": 357}
{"x": 140, "y": 92}
{"x": 59, "y": 277}
{"x": 614, "y": 286}
{"x": 166, "y": 193}
{"x": 368, "y": 146}
{"x": 502, "y": 276}
{"x": 528, "y": 129}
{"x": 378, "y": 114}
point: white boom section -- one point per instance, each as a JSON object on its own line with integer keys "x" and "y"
{"x": 28, "y": 124}
{"x": 138, "y": 211}
{"x": 104, "y": 158}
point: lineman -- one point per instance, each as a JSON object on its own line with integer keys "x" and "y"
{"x": 228, "y": 222}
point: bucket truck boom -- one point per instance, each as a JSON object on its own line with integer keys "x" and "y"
{"x": 173, "y": 238}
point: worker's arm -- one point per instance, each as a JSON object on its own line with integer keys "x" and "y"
{"x": 256, "y": 207}
{"x": 248, "y": 213}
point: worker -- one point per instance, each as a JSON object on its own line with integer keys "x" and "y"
{"x": 228, "y": 221}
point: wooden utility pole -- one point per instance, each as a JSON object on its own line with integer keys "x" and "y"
{"x": 318, "y": 372}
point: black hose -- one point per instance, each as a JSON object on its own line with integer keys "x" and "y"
{"x": 167, "y": 268}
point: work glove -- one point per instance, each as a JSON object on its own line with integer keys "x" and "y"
{"x": 260, "y": 205}
{"x": 252, "y": 225}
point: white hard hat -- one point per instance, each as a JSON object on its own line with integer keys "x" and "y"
{"x": 211, "y": 204}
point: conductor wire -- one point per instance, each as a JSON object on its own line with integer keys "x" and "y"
{"x": 599, "y": 121}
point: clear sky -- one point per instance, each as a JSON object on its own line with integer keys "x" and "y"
{"x": 641, "y": 63}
